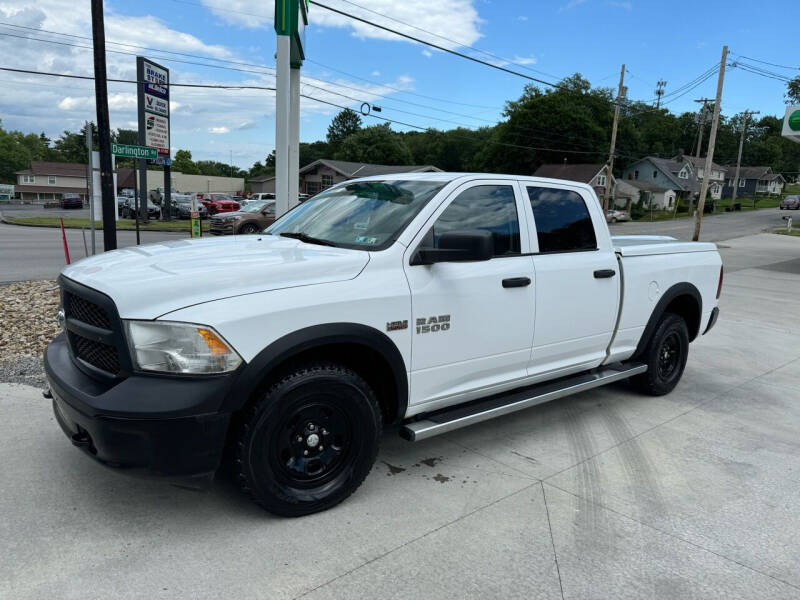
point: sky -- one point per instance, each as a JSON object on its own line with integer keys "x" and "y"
{"x": 349, "y": 63}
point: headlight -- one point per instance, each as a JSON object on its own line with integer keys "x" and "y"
{"x": 170, "y": 347}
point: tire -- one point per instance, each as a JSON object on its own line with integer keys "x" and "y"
{"x": 665, "y": 356}
{"x": 323, "y": 409}
{"x": 613, "y": 219}
{"x": 249, "y": 228}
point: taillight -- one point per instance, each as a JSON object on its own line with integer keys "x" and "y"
{"x": 719, "y": 285}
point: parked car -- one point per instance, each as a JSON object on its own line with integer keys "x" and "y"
{"x": 71, "y": 200}
{"x": 181, "y": 208}
{"x": 790, "y": 203}
{"x": 405, "y": 299}
{"x": 257, "y": 197}
{"x": 218, "y": 203}
{"x": 128, "y": 209}
{"x": 253, "y": 218}
{"x": 613, "y": 215}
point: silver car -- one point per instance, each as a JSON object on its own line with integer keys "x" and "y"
{"x": 613, "y": 216}
{"x": 790, "y": 203}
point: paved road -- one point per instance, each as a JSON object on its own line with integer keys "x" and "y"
{"x": 37, "y": 253}
{"x": 607, "y": 494}
{"x": 715, "y": 228}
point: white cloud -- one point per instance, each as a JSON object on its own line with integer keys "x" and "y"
{"x": 522, "y": 18}
{"x": 218, "y": 130}
{"x": 572, "y": 4}
{"x": 625, "y": 4}
{"x": 376, "y": 73}
{"x": 253, "y": 14}
{"x": 427, "y": 53}
{"x": 524, "y": 60}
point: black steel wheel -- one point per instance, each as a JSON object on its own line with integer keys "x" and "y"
{"x": 310, "y": 441}
{"x": 665, "y": 356}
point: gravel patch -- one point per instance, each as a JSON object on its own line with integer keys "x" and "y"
{"x": 27, "y": 324}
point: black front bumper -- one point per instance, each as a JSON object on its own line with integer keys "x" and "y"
{"x": 159, "y": 425}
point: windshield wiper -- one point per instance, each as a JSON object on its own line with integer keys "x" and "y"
{"x": 308, "y": 239}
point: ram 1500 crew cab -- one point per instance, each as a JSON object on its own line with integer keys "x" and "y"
{"x": 430, "y": 300}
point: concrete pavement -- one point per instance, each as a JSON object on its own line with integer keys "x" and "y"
{"x": 608, "y": 494}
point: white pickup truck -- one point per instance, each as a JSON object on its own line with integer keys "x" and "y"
{"x": 428, "y": 300}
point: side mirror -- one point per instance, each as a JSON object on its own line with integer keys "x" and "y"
{"x": 457, "y": 246}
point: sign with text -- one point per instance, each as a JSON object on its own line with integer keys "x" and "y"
{"x": 134, "y": 151}
{"x": 791, "y": 124}
{"x": 153, "y": 102}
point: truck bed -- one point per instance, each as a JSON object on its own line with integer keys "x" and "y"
{"x": 644, "y": 245}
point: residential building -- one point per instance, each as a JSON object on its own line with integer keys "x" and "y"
{"x": 46, "y": 181}
{"x": 683, "y": 174}
{"x": 753, "y": 180}
{"x": 651, "y": 195}
{"x": 594, "y": 174}
{"x": 324, "y": 173}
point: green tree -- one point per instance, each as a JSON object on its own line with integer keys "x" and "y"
{"x": 792, "y": 95}
{"x": 17, "y": 150}
{"x": 343, "y": 125}
{"x": 309, "y": 152}
{"x": 183, "y": 163}
{"x": 378, "y": 145}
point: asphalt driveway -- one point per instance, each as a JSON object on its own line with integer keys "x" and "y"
{"x": 607, "y": 494}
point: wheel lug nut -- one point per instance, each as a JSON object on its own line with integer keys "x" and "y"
{"x": 305, "y": 452}
{"x": 311, "y": 426}
{"x": 299, "y": 438}
{"x": 321, "y": 448}
{"x": 324, "y": 432}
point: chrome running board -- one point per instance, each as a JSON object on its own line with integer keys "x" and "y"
{"x": 460, "y": 416}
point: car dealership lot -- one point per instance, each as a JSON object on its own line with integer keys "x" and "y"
{"x": 608, "y": 494}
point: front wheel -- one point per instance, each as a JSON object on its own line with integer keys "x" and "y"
{"x": 249, "y": 228}
{"x": 310, "y": 441}
{"x": 665, "y": 356}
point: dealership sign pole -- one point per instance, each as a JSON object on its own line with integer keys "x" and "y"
{"x": 291, "y": 18}
{"x": 153, "y": 105}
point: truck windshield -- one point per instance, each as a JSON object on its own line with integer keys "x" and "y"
{"x": 366, "y": 215}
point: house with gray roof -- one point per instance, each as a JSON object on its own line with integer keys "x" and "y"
{"x": 594, "y": 174}
{"x": 753, "y": 180}
{"x": 684, "y": 174}
{"x": 324, "y": 173}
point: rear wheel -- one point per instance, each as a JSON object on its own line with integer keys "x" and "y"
{"x": 310, "y": 441}
{"x": 665, "y": 356}
{"x": 249, "y": 228}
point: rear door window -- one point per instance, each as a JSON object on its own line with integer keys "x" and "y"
{"x": 563, "y": 223}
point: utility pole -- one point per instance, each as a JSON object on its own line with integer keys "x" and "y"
{"x": 701, "y": 124}
{"x": 103, "y": 127}
{"x": 745, "y": 116}
{"x": 610, "y": 163}
{"x": 712, "y": 140}
{"x": 660, "y": 91}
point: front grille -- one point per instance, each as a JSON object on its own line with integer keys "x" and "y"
{"x": 87, "y": 312}
{"x": 97, "y": 354}
{"x": 101, "y": 349}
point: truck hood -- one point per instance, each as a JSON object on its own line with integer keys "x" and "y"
{"x": 149, "y": 281}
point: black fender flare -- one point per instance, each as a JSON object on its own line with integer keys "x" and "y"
{"x": 308, "y": 338}
{"x": 679, "y": 289}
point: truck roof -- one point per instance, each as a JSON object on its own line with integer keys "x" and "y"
{"x": 450, "y": 176}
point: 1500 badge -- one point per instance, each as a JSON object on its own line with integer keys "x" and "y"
{"x": 433, "y": 324}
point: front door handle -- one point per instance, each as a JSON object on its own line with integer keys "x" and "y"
{"x": 512, "y": 282}
{"x": 604, "y": 273}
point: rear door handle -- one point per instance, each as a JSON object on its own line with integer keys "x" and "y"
{"x": 604, "y": 273}
{"x": 512, "y": 282}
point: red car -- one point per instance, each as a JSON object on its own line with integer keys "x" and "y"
{"x": 218, "y": 203}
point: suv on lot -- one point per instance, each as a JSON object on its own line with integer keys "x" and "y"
{"x": 253, "y": 218}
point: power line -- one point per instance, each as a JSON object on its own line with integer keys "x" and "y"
{"x": 460, "y": 44}
{"x": 432, "y": 45}
{"x": 764, "y": 62}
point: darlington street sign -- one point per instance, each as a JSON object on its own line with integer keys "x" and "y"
{"x": 134, "y": 151}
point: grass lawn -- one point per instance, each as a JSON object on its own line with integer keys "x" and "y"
{"x": 795, "y": 232}
{"x": 122, "y": 224}
{"x": 746, "y": 202}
